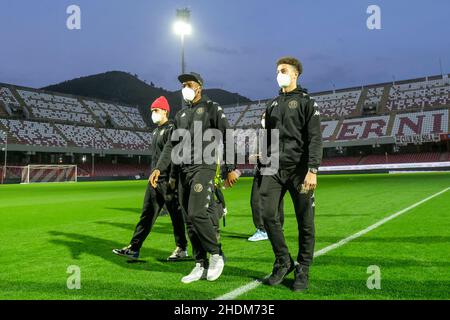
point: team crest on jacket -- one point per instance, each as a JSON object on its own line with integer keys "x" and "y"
{"x": 200, "y": 110}
{"x": 293, "y": 104}
{"x": 198, "y": 187}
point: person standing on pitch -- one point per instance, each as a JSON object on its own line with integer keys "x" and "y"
{"x": 196, "y": 177}
{"x": 255, "y": 202}
{"x": 297, "y": 118}
{"x": 155, "y": 198}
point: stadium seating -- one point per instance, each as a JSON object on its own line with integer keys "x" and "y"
{"x": 373, "y": 97}
{"x": 427, "y": 122}
{"x": 145, "y": 136}
{"x": 134, "y": 115}
{"x": 339, "y": 104}
{"x": 363, "y": 128}
{"x": 419, "y": 94}
{"x": 328, "y": 128}
{"x": 62, "y": 120}
{"x": 95, "y": 108}
{"x": 122, "y": 116}
{"x": 125, "y": 139}
{"x": 84, "y": 137}
{"x": 55, "y": 107}
{"x": 116, "y": 115}
{"x": 252, "y": 117}
{"x": 7, "y": 97}
{"x": 61, "y": 135}
{"x": 34, "y": 133}
{"x": 233, "y": 113}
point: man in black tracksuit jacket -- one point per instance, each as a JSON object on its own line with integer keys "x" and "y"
{"x": 163, "y": 194}
{"x": 295, "y": 114}
{"x": 196, "y": 177}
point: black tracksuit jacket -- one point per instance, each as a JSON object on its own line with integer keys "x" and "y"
{"x": 160, "y": 136}
{"x": 211, "y": 115}
{"x": 296, "y": 115}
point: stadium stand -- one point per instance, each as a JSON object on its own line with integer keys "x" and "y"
{"x": 328, "y": 128}
{"x": 233, "y": 113}
{"x": 419, "y": 94}
{"x": 363, "y": 128}
{"x": 428, "y": 122}
{"x": 338, "y": 104}
{"x": 252, "y": 116}
{"x": 121, "y": 116}
{"x": 134, "y": 115}
{"x": 145, "y": 136}
{"x": 84, "y": 137}
{"x": 124, "y": 139}
{"x": 95, "y": 109}
{"x": 34, "y": 133}
{"x": 117, "y": 116}
{"x": 373, "y": 100}
{"x": 7, "y": 97}
{"x": 411, "y": 116}
{"x": 47, "y": 106}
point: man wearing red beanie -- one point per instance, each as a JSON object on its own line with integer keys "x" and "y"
{"x": 163, "y": 194}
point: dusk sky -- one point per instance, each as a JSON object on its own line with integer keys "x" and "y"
{"x": 234, "y": 44}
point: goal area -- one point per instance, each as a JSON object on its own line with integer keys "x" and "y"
{"x": 40, "y": 173}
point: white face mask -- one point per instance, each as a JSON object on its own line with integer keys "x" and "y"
{"x": 156, "y": 117}
{"x": 263, "y": 123}
{"x": 188, "y": 94}
{"x": 284, "y": 80}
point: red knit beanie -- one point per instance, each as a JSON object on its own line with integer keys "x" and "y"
{"x": 161, "y": 103}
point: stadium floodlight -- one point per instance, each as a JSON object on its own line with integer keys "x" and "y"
{"x": 182, "y": 27}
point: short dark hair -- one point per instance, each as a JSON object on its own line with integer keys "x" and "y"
{"x": 291, "y": 61}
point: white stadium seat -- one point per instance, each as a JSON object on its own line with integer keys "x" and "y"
{"x": 428, "y": 122}
{"x": 34, "y": 133}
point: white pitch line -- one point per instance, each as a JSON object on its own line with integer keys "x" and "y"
{"x": 256, "y": 283}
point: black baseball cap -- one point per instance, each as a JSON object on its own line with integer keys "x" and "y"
{"x": 192, "y": 76}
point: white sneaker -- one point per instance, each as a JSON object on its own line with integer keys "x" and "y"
{"x": 216, "y": 265}
{"x": 196, "y": 274}
{"x": 258, "y": 236}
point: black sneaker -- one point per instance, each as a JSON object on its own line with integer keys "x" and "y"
{"x": 178, "y": 254}
{"x": 280, "y": 270}
{"x": 301, "y": 278}
{"x": 127, "y": 252}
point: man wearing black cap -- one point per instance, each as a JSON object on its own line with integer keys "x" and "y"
{"x": 196, "y": 176}
{"x": 296, "y": 117}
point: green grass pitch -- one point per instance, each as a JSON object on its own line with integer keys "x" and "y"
{"x": 44, "y": 228}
